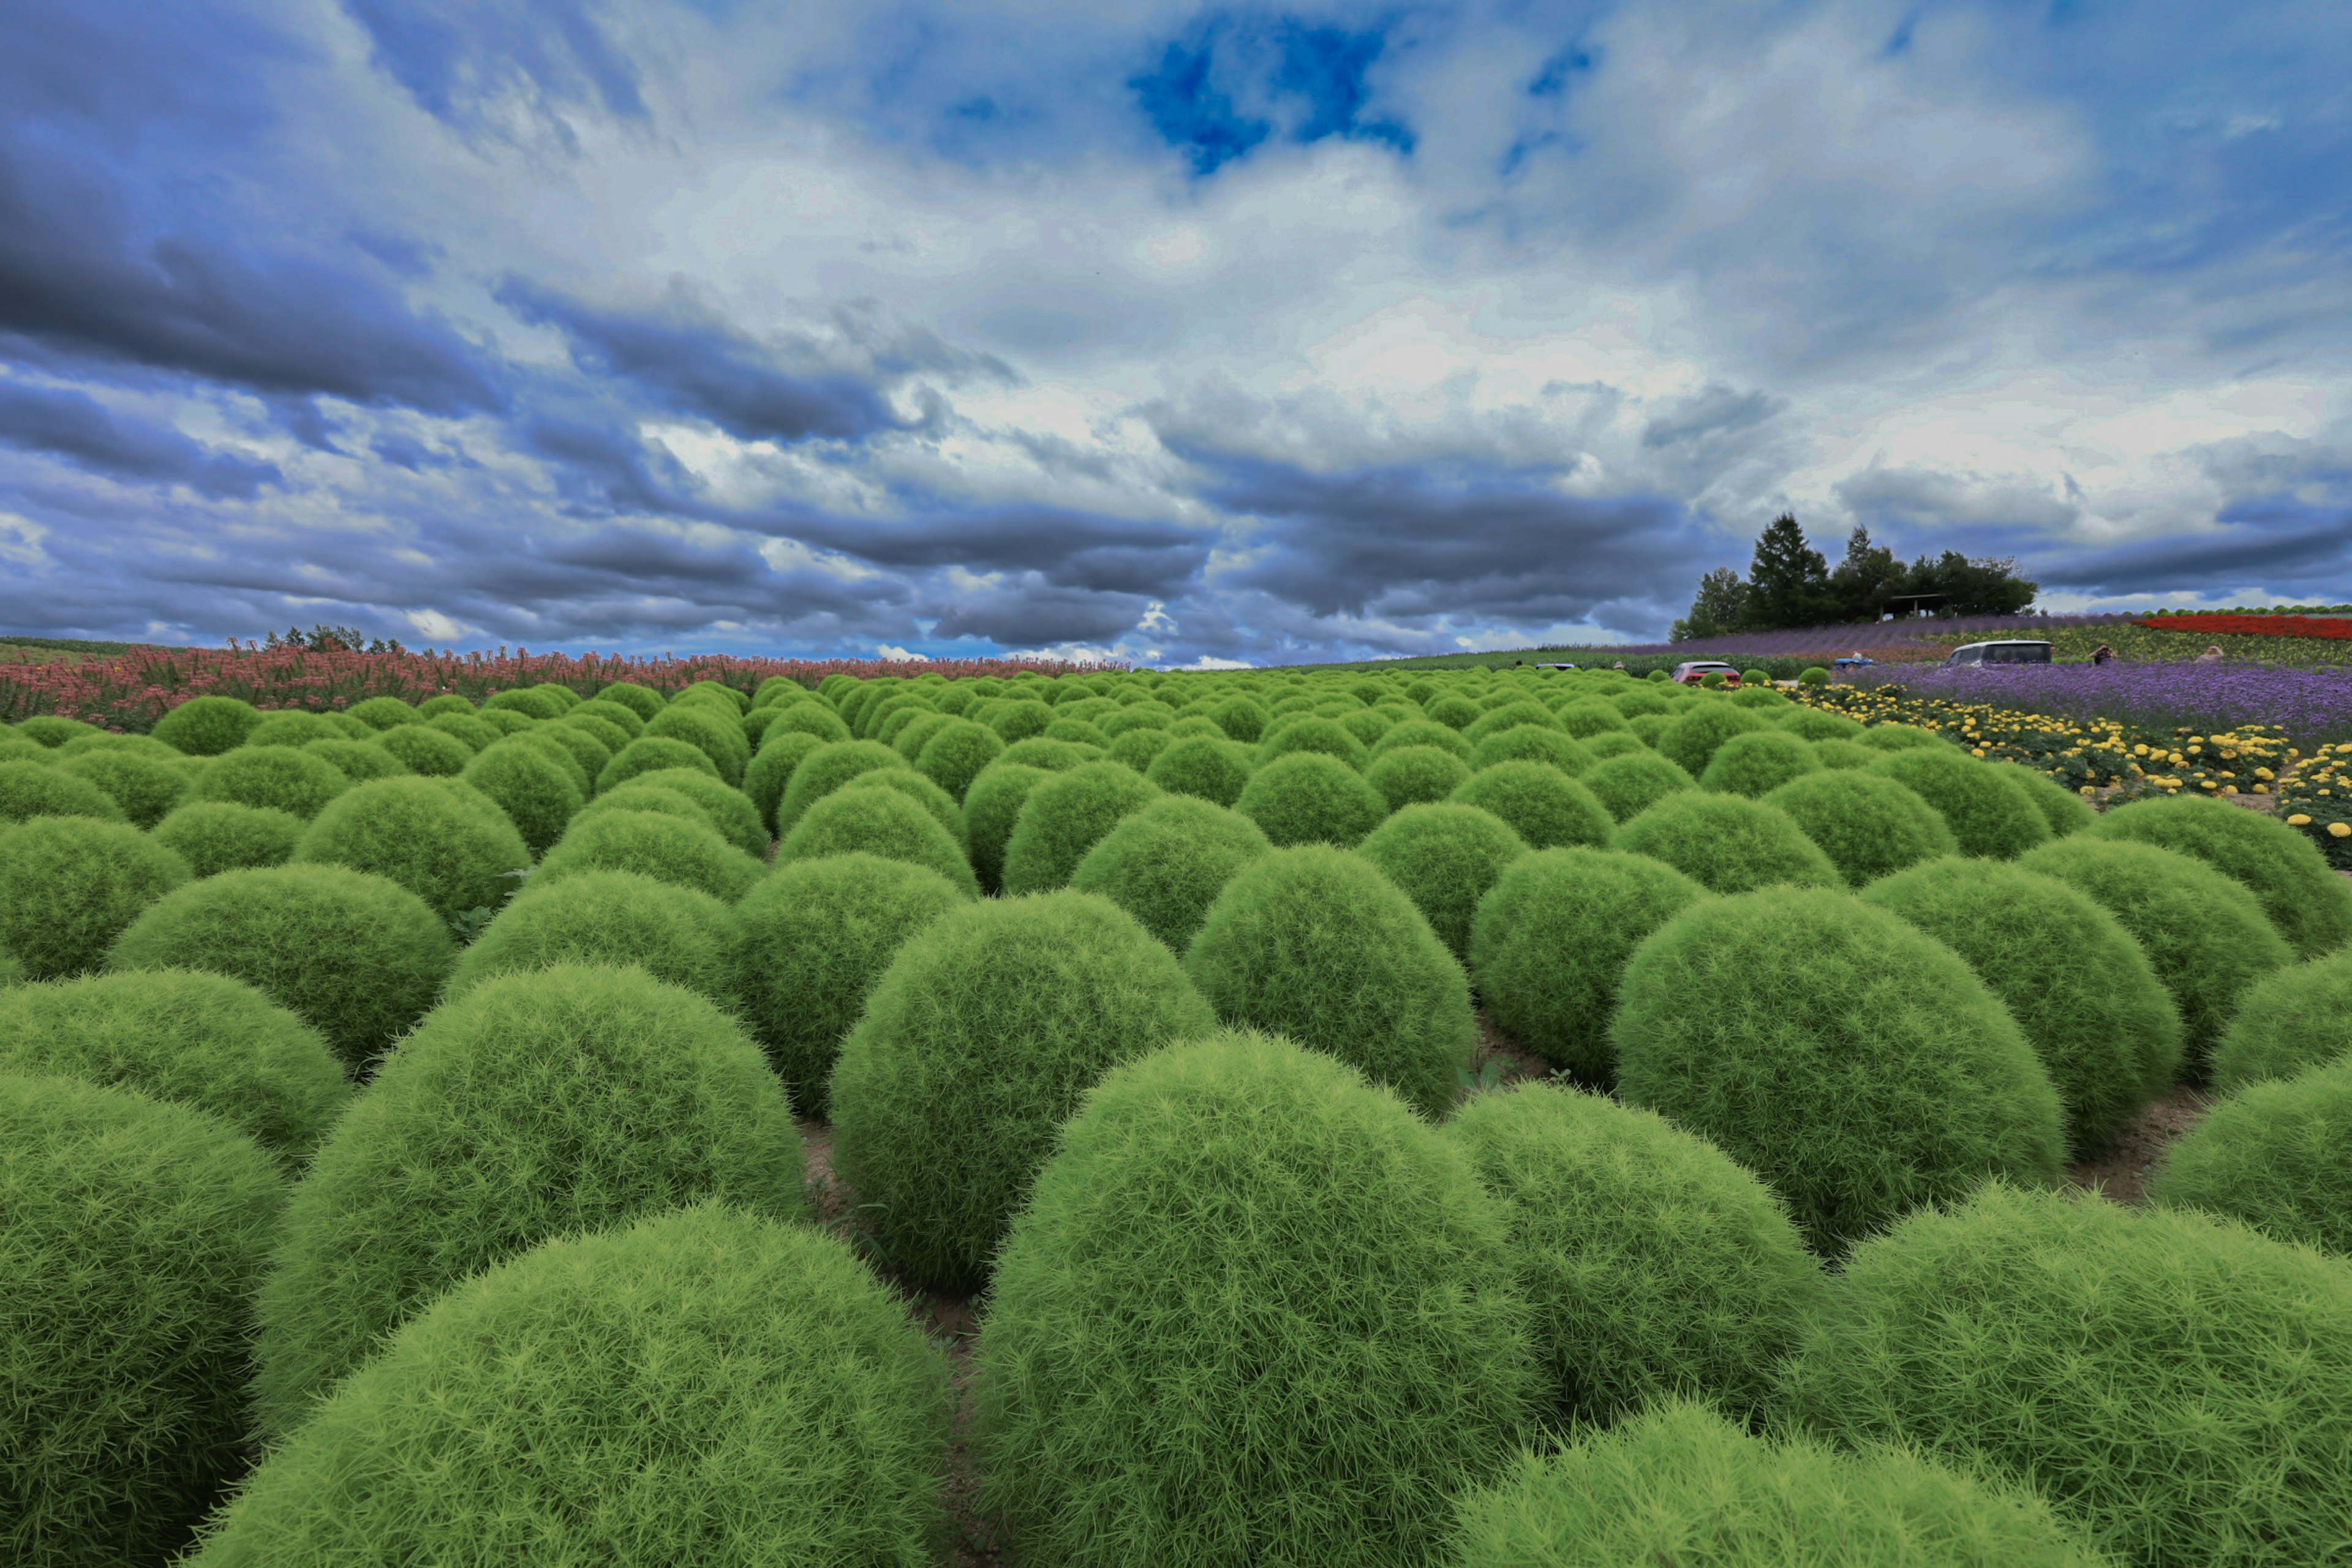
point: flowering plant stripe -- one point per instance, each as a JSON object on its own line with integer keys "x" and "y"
{"x": 2253, "y": 625}
{"x": 131, "y": 691}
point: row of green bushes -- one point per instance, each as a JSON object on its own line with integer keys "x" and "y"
{"x": 1247, "y": 1302}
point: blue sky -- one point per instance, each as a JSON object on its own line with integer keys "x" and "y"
{"x": 1158, "y": 331}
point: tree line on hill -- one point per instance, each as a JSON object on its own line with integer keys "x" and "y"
{"x": 1791, "y": 584}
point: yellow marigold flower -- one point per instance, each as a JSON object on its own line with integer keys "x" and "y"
{"x": 2139, "y": 749}
{"x": 2206, "y": 783}
{"x": 2300, "y": 819}
{"x": 2265, "y": 773}
{"x": 2339, "y": 830}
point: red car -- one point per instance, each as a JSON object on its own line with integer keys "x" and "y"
{"x": 1693, "y": 671}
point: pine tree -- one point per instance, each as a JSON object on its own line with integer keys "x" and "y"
{"x": 1789, "y": 582}
{"x": 1721, "y": 606}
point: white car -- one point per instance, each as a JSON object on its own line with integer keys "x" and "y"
{"x": 2020, "y": 652}
{"x": 1691, "y": 671}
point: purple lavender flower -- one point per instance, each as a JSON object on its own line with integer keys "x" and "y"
{"x": 2314, "y": 706}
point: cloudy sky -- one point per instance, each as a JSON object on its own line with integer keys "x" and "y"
{"x": 1163, "y": 332}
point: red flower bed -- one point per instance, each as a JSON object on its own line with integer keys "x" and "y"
{"x": 131, "y": 691}
{"x": 2252, "y": 626}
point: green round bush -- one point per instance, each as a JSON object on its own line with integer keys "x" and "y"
{"x": 1241, "y": 718}
{"x": 1653, "y": 1263}
{"x": 1212, "y": 769}
{"x": 1813, "y": 675}
{"x": 49, "y": 731}
{"x": 648, "y": 755}
{"x": 1680, "y": 1485}
{"x": 770, "y": 772}
{"x": 1309, "y": 734}
{"x": 718, "y": 736}
{"x": 537, "y": 795}
{"x": 579, "y": 753}
{"x": 1453, "y": 712}
{"x": 1757, "y": 762}
{"x": 924, "y": 793}
{"x": 2179, "y": 1385}
{"x": 448, "y": 702}
{"x": 992, "y": 808}
{"x": 447, "y": 844}
{"x": 2289, "y": 1020}
{"x": 1444, "y": 856}
{"x": 1078, "y": 732}
{"x": 1423, "y": 732}
{"x": 730, "y": 811}
{"x": 1054, "y": 756}
{"x": 1166, "y": 862}
{"x": 779, "y": 1409}
{"x": 1988, "y": 816}
{"x": 1819, "y": 724}
{"x": 975, "y": 1045}
{"x": 1902, "y": 738}
{"x": 597, "y": 727}
{"x": 1845, "y": 756}
{"x": 533, "y": 701}
{"x": 1532, "y": 743}
{"x": 1868, "y": 825}
{"x": 1305, "y": 797}
{"x": 420, "y": 749}
{"x": 726, "y": 699}
{"x": 613, "y": 918}
{"x": 28, "y": 789}
{"x": 1550, "y": 942}
{"x": 2078, "y": 986}
{"x": 533, "y": 1106}
{"x": 825, "y": 770}
{"x": 1843, "y": 1056}
{"x": 1644, "y": 728}
{"x": 638, "y": 699}
{"x": 666, "y": 849}
{"x": 1137, "y": 747}
{"x": 620, "y": 715}
{"x": 12, "y": 971}
{"x": 810, "y": 942}
{"x": 1689, "y": 742}
{"x": 144, "y": 788}
{"x": 276, "y": 778}
{"x": 382, "y": 713}
{"x": 1065, "y": 817}
{"x": 1315, "y": 944}
{"x": 1412, "y": 775}
{"x": 956, "y": 753}
{"x": 918, "y": 732}
{"x": 1612, "y": 743}
{"x": 2204, "y": 933}
{"x": 869, "y": 820}
{"x": 1629, "y": 785}
{"x": 1020, "y": 720}
{"x": 358, "y": 760}
{"x": 212, "y": 836}
{"x": 2064, "y": 811}
{"x": 136, "y": 1232}
{"x": 2304, "y": 899}
{"x": 475, "y": 734}
{"x": 68, "y": 886}
{"x": 195, "y": 1039}
{"x": 386, "y": 952}
{"x": 207, "y": 726}
{"x": 2277, "y": 1155}
{"x": 1254, "y": 1312}
{"x": 1727, "y": 843}
{"x": 1512, "y": 715}
{"x": 1590, "y": 717}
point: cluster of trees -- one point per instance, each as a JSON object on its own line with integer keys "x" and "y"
{"x": 1791, "y": 584}
{"x": 331, "y": 639}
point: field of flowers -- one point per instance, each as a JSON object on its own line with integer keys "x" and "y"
{"x": 646, "y": 1114}
{"x": 129, "y": 690}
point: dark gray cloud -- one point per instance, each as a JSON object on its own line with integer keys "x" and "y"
{"x": 1411, "y": 544}
{"x": 1026, "y": 611}
{"x": 685, "y": 358}
{"x": 1063, "y": 548}
{"x": 1715, "y": 410}
{"x": 75, "y": 425}
{"x": 2280, "y": 544}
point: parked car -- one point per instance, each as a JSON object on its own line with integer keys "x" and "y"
{"x": 2019, "y": 652}
{"x": 1690, "y": 672}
